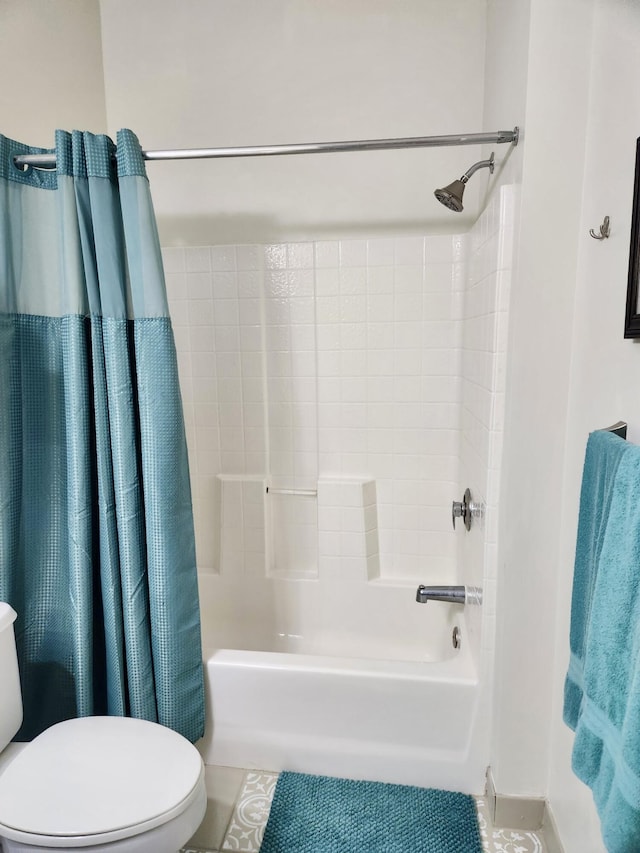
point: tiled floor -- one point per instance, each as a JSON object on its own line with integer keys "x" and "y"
{"x": 238, "y": 808}
{"x": 495, "y": 840}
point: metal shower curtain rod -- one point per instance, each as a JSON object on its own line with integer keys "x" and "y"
{"x": 48, "y": 161}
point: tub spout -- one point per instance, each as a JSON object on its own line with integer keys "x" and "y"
{"x": 455, "y": 594}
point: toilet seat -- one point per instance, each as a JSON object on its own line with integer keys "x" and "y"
{"x": 96, "y": 780}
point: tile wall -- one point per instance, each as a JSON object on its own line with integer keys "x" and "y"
{"x": 304, "y": 363}
{"x": 483, "y": 371}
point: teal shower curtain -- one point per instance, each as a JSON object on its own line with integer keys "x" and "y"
{"x": 97, "y": 550}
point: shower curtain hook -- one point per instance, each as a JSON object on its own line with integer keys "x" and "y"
{"x": 605, "y": 230}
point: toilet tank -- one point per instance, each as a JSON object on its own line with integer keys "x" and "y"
{"x": 10, "y": 695}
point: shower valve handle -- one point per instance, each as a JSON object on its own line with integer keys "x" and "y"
{"x": 457, "y": 511}
{"x": 465, "y": 509}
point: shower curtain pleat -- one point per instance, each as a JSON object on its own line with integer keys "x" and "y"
{"x": 97, "y": 551}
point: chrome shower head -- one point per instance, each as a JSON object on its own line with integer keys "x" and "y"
{"x": 451, "y": 195}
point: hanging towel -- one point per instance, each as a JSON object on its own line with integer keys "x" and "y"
{"x": 603, "y": 455}
{"x": 602, "y": 689}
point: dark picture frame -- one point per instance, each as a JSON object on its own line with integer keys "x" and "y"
{"x": 632, "y": 316}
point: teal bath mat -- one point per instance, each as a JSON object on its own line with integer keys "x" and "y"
{"x": 319, "y": 814}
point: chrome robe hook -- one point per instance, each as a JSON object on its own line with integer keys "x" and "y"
{"x": 605, "y": 230}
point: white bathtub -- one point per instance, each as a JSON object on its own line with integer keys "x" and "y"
{"x": 366, "y": 684}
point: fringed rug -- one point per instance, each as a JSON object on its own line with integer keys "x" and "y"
{"x": 320, "y": 814}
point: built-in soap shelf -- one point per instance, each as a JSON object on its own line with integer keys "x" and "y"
{"x": 292, "y": 533}
{"x": 299, "y": 533}
{"x": 243, "y": 525}
{"x": 348, "y": 529}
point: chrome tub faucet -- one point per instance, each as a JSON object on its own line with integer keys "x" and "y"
{"x": 454, "y": 594}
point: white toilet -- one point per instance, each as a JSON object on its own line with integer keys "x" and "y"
{"x": 108, "y": 784}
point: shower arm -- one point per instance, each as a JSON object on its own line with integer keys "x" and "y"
{"x": 481, "y": 164}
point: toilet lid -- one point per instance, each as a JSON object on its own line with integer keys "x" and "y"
{"x": 96, "y": 775}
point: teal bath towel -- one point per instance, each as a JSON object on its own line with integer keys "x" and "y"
{"x": 602, "y": 689}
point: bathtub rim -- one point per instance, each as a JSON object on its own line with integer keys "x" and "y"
{"x": 459, "y": 668}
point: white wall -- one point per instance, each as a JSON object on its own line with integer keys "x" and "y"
{"x": 605, "y": 373}
{"x": 570, "y": 371}
{"x": 506, "y": 61}
{"x": 505, "y": 79}
{"x": 203, "y": 73}
{"x": 538, "y": 389}
{"x": 51, "y": 62}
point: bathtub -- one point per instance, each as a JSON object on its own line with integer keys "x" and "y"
{"x": 359, "y": 681}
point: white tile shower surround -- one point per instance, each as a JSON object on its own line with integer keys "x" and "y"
{"x": 238, "y": 809}
{"x": 326, "y": 359}
{"x": 483, "y": 371}
{"x": 356, "y": 358}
